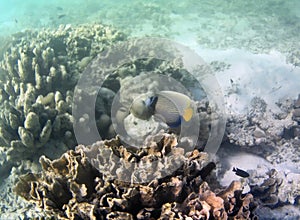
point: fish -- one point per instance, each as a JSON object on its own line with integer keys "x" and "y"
{"x": 61, "y": 16}
{"x": 140, "y": 109}
{"x": 241, "y": 173}
{"x": 173, "y": 108}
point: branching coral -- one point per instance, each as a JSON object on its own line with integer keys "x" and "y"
{"x": 40, "y": 70}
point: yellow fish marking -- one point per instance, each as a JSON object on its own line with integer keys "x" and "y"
{"x": 188, "y": 114}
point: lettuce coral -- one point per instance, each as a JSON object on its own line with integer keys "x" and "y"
{"x": 72, "y": 188}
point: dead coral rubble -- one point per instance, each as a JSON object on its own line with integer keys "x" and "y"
{"x": 266, "y": 132}
{"x": 71, "y": 188}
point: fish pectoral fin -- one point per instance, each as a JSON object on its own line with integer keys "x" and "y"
{"x": 159, "y": 118}
{"x": 175, "y": 124}
{"x": 188, "y": 114}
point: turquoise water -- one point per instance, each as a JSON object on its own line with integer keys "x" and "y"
{"x": 151, "y": 16}
{"x": 252, "y": 46}
{"x": 256, "y": 25}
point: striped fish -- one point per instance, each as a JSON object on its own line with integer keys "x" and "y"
{"x": 171, "y": 107}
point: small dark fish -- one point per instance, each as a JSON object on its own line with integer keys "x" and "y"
{"x": 59, "y": 8}
{"x": 61, "y": 16}
{"x": 16, "y": 21}
{"x": 241, "y": 173}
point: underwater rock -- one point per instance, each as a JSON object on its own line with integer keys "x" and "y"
{"x": 40, "y": 71}
{"x": 71, "y": 187}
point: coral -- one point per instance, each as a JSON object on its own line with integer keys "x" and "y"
{"x": 40, "y": 71}
{"x": 272, "y": 135}
{"x": 72, "y": 188}
{"x": 267, "y": 192}
{"x": 259, "y": 127}
{"x": 15, "y": 207}
{"x": 289, "y": 191}
{"x": 275, "y": 137}
{"x": 279, "y": 191}
{"x": 228, "y": 203}
{"x": 138, "y": 167}
{"x": 296, "y": 113}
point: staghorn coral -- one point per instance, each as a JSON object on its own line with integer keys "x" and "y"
{"x": 72, "y": 188}
{"x": 40, "y": 71}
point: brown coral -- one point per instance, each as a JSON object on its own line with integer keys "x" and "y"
{"x": 267, "y": 192}
{"x": 72, "y": 188}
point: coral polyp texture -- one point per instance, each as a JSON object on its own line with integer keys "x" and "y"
{"x": 72, "y": 188}
{"x": 39, "y": 71}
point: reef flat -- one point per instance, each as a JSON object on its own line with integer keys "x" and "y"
{"x": 39, "y": 71}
